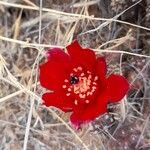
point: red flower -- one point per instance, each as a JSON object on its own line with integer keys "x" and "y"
{"x": 79, "y": 83}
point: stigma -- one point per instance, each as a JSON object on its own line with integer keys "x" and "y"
{"x": 74, "y": 79}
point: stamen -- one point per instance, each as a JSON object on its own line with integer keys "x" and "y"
{"x": 91, "y": 93}
{"x": 94, "y": 87}
{"x": 87, "y": 101}
{"x": 89, "y": 77}
{"x": 64, "y": 86}
{"x": 82, "y": 84}
{"x": 80, "y": 68}
{"x": 68, "y": 94}
{"x": 75, "y": 69}
{"x": 69, "y": 89}
{"x": 66, "y": 80}
{"x": 88, "y": 93}
{"x": 96, "y": 78}
{"x": 88, "y": 72}
{"x": 82, "y": 95}
{"x": 89, "y": 82}
{"x": 94, "y": 83}
{"x": 82, "y": 74}
{"x": 76, "y": 91}
{"x": 76, "y": 102}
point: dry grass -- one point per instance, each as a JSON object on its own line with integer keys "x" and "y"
{"x": 27, "y": 28}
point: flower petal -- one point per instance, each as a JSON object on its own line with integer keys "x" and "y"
{"x": 57, "y": 54}
{"x": 117, "y": 87}
{"x": 101, "y": 67}
{"x": 53, "y": 74}
{"x": 80, "y": 56}
{"x": 90, "y": 111}
{"x": 58, "y": 100}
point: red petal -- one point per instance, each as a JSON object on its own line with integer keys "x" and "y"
{"x": 53, "y": 74}
{"x": 80, "y": 56}
{"x": 58, "y": 100}
{"x": 101, "y": 72}
{"x": 101, "y": 67}
{"x": 117, "y": 87}
{"x": 90, "y": 111}
{"x": 57, "y": 54}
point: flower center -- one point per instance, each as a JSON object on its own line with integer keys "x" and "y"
{"x": 74, "y": 79}
{"x": 81, "y": 85}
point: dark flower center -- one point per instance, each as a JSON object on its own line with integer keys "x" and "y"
{"x": 74, "y": 79}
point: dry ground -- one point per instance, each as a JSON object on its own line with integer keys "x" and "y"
{"x": 118, "y": 29}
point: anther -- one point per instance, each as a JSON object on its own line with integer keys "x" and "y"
{"x": 94, "y": 87}
{"x": 82, "y": 74}
{"x": 82, "y": 95}
{"x": 66, "y": 81}
{"x": 76, "y": 102}
{"x": 80, "y": 68}
{"x": 88, "y": 93}
{"x": 64, "y": 86}
{"x": 89, "y": 77}
{"x": 69, "y": 89}
{"x": 68, "y": 94}
{"x": 94, "y": 83}
{"x": 88, "y": 72}
{"x": 87, "y": 101}
{"x": 96, "y": 78}
{"x": 89, "y": 82}
{"x": 75, "y": 69}
{"x": 91, "y": 93}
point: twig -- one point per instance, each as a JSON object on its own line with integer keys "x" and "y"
{"x": 70, "y": 14}
{"x": 16, "y": 28}
{"x": 109, "y": 21}
{"x": 53, "y": 46}
{"x": 145, "y": 125}
{"x": 27, "y": 132}
{"x": 83, "y": 4}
